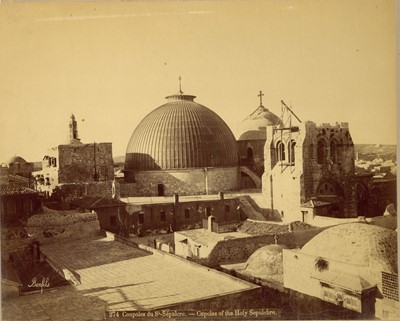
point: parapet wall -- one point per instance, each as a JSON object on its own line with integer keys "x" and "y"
{"x": 47, "y": 228}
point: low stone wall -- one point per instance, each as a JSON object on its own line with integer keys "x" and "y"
{"x": 246, "y": 299}
{"x": 240, "y": 249}
{"x": 46, "y": 228}
{"x": 13, "y": 239}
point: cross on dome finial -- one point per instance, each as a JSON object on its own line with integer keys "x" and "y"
{"x": 260, "y": 95}
{"x": 180, "y": 85}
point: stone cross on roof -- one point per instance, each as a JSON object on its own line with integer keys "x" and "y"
{"x": 260, "y": 95}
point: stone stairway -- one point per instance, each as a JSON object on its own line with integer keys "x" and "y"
{"x": 249, "y": 210}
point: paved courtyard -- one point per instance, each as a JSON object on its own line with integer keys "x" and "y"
{"x": 113, "y": 276}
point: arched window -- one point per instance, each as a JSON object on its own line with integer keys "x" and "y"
{"x": 280, "y": 150}
{"x": 292, "y": 152}
{"x": 333, "y": 150}
{"x": 321, "y": 152}
{"x": 250, "y": 154}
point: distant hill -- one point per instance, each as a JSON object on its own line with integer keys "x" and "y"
{"x": 371, "y": 151}
{"x": 119, "y": 159}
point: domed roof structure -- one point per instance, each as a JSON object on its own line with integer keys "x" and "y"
{"x": 267, "y": 260}
{"x": 266, "y": 263}
{"x": 16, "y": 159}
{"x": 181, "y": 134}
{"x": 357, "y": 243}
{"x": 254, "y": 126}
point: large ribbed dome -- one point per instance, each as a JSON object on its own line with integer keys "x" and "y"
{"x": 181, "y": 134}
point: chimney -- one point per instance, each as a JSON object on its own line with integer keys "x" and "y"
{"x": 221, "y": 196}
{"x": 176, "y": 198}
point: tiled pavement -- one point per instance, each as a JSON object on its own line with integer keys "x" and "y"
{"x": 114, "y": 276}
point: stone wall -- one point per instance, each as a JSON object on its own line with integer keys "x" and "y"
{"x": 13, "y": 239}
{"x": 257, "y": 163}
{"x": 295, "y": 180}
{"x": 77, "y": 163}
{"x": 240, "y": 249}
{"x": 76, "y": 190}
{"x": 47, "y": 228}
{"x": 182, "y": 215}
{"x": 183, "y": 182}
{"x": 69, "y": 164}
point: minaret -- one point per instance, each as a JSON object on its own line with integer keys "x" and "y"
{"x": 73, "y": 130}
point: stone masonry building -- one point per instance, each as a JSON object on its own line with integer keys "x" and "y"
{"x": 310, "y": 162}
{"x": 75, "y": 163}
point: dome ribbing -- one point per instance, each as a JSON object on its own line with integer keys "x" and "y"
{"x": 181, "y": 134}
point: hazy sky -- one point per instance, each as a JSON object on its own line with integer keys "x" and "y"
{"x": 112, "y": 63}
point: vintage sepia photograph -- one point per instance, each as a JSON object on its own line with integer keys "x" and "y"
{"x": 198, "y": 160}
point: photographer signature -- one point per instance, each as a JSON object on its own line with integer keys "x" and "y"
{"x": 44, "y": 284}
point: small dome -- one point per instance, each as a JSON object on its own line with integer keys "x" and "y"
{"x": 181, "y": 134}
{"x": 267, "y": 260}
{"x": 16, "y": 159}
{"x": 357, "y": 243}
{"x": 254, "y": 126}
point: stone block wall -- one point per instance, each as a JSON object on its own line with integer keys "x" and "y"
{"x": 47, "y": 228}
{"x": 339, "y": 170}
{"x": 289, "y": 183}
{"x": 77, "y": 163}
{"x": 240, "y": 249}
{"x": 257, "y": 163}
{"x": 183, "y": 215}
{"x": 183, "y": 182}
{"x": 76, "y": 190}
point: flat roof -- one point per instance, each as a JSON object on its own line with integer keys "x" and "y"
{"x": 170, "y": 199}
{"x": 206, "y": 237}
{"x": 127, "y": 278}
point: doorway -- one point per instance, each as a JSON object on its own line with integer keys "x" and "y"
{"x": 161, "y": 190}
